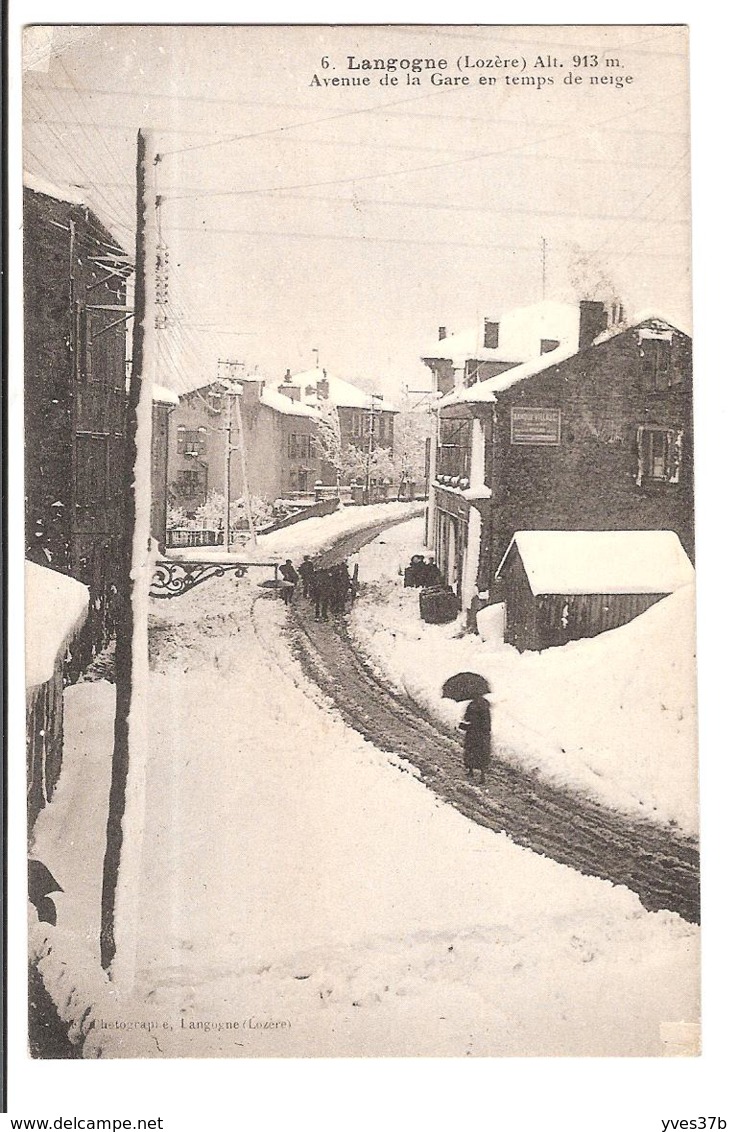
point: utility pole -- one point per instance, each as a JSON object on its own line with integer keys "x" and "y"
{"x": 227, "y": 474}
{"x": 370, "y": 444}
{"x": 127, "y": 799}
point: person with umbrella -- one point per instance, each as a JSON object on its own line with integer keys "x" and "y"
{"x": 477, "y": 721}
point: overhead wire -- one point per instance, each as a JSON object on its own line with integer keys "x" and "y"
{"x": 65, "y": 155}
{"x": 114, "y": 160}
{"x": 103, "y": 203}
{"x": 398, "y": 172}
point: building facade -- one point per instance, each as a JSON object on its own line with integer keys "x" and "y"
{"x": 276, "y": 437}
{"x": 595, "y": 437}
{"x": 365, "y": 421}
{"x": 74, "y": 278}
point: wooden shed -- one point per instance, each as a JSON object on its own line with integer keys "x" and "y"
{"x": 560, "y": 586}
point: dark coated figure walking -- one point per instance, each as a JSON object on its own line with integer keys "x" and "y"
{"x": 477, "y": 728}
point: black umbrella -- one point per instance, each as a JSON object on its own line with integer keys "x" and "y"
{"x": 465, "y": 686}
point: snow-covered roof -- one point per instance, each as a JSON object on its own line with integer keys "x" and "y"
{"x": 67, "y": 194}
{"x": 273, "y": 399}
{"x": 486, "y": 391}
{"x": 56, "y": 606}
{"x": 602, "y": 562}
{"x": 657, "y": 318}
{"x": 340, "y": 392}
{"x": 519, "y": 338}
{"x": 164, "y": 396}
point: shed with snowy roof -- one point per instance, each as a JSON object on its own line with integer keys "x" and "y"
{"x": 560, "y": 586}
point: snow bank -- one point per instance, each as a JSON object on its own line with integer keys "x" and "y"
{"x": 613, "y": 716}
{"x": 56, "y": 607}
{"x": 305, "y": 895}
{"x": 309, "y": 536}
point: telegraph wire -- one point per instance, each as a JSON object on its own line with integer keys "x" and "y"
{"x": 301, "y": 125}
{"x": 401, "y": 172}
{"x": 115, "y": 164}
{"x": 109, "y": 205}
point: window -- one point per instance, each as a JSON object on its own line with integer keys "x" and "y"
{"x": 300, "y": 446}
{"x": 191, "y": 484}
{"x": 491, "y": 335}
{"x": 656, "y": 369}
{"x": 659, "y": 454}
{"x": 454, "y": 454}
{"x": 549, "y": 344}
{"x": 191, "y": 442}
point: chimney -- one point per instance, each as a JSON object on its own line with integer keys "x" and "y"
{"x": 251, "y": 388}
{"x": 592, "y": 322}
{"x": 322, "y": 387}
{"x": 441, "y": 333}
{"x": 491, "y": 334}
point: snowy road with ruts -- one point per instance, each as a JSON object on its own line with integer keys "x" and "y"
{"x": 318, "y": 878}
{"x": 304, "y": 892}
{"x": 661, "y": 867}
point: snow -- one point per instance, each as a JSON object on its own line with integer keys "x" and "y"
{"x": 273, "y": 399}
{"x": 485, "y": 391}
{"x": 520, "y": 333}
{"x": 304, "y": 894}
{"x": 613, "y": 716}
{"x": 56, "y": 607}
{"x": 340, "y": 392}
{"x": 309, "y": 536}
{"x": 164, "y": 396}
{"x": 67, "y": 194}
{"x": 295, "y": 875}
{"x": 601, "y": 562}
{"x": 645, "y": 319}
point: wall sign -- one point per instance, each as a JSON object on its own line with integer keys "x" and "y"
{"x": 535, "y": 426}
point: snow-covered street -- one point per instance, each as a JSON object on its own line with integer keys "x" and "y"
{"x": 303, "y": 893}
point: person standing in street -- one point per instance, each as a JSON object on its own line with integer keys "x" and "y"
{"x": 341, "y": 589}
{"x": 291, "y": 578}
{"x": 306, "y": 570}
{"x": 321, "y": 591}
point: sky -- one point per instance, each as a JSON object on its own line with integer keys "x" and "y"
{"x": 347, "y": 223}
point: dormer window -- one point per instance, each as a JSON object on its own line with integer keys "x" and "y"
{"x": 656, "y": 359}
